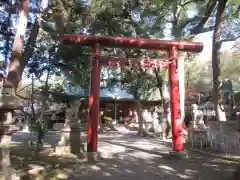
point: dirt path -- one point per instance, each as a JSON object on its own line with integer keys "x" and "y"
{"x": 130, "y": 157}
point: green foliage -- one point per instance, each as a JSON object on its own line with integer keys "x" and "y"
{"x": 134, "y": 18}
{"x": 75, "y": 64}
{"x": 198, "y": 76}
{"x": 230, "y": 66}
{"x": 138, "y": 82}
{"x": 237, "y": 97}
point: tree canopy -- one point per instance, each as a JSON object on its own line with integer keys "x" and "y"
{"x": 44, "y": 50}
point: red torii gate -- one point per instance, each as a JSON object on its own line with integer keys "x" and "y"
{"x": 126, "y": 42}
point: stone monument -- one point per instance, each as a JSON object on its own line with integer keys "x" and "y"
{"x": 198, "y": 132}
{"x": 198, "y": 121}
{"x": 71, "y": 133}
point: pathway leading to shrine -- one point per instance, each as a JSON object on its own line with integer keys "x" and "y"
{"x": 128, "y": 157}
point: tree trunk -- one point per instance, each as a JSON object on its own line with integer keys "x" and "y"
{"x": 43, "y": 123}
{"x": 29, "y": 47}
{"x": 6, "y": 129}
{"x": 32, "y": 100}
{"x": 33, "y": 37}
{"x": 18, "y": 64}
{"x": 216, "y": 46}
{"x": 160, "y": 85}
{"x": 14, "y": 76}
{"x": 7, "y": 44}
{"x": 140, "y": 117}
{"x": 165, "y": 104}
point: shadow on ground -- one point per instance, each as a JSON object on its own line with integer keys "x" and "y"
{"x": 125, "y": 156}
{"x": 45, "y": 165}
{"x": 131, "y": 157}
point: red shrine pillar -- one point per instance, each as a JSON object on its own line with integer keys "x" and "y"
{"x": 177, "y": 130}
{"x": 94, "y": 102}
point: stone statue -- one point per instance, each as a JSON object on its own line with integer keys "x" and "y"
{"x": 65, "y": 130}
{"x": 71, "y": 114}
{"x": 155, "y": 122}
{"x": 197, "y": 117}
{"x": 197, "y": 131}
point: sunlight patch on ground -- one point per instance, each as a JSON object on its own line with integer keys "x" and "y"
{"x": 122, "y": 129}
{"x": 95, "y": 168}
{"x": 167, "y": 168}
{"x": 190, "y": 172}
{"x": 35, "y": 169}
{"x": 143, "y": 155}
{"x": 107, "y": 151}
{"x": 210, "y": 165}
{"x": 128, "y": 171}
{"x": 183, "y": 176}
{"x": 107, "y": 174}
{"x": 146, "y": 144}
{"x": 112, "y": 149}
{"x": 109, "y": 135}
{"x": 127, "y": 157}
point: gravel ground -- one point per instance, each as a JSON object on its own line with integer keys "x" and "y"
{"x": 129, "y": 157}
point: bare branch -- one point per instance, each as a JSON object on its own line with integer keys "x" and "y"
{"x": 25, "y": 98}
{"x": 168, "y": 21}
{"x": 18, "y": 90}
{"x": 237, "y": 10}
{"x": 210, "y": 6}
{"x": 228, "y": 39}
{"x": 186, "y": 3}
{"x": 189, "y": 20}
{"x": 210, "y": 28}
{"x": 25, "y": 113}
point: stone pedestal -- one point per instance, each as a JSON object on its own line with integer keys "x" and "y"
{"x": 199, "y": 136}
{"x": 76, "y": 144}
{"x": 64, "y": 144}
{"x": 70, "y": 141}
{"x": 238, "y": 120}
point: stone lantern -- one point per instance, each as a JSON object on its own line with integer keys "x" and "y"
{"x": 8, "y": 103}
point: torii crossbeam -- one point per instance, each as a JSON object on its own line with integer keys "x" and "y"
{"x": 126, "y": 42}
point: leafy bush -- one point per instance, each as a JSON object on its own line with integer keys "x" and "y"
{"x": 237, "y": 97}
